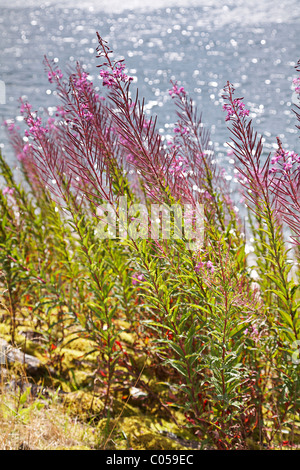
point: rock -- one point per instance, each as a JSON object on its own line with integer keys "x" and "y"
{"x": 9, "y": 355}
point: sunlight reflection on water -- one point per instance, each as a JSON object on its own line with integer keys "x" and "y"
{"x": 254, "y": 45}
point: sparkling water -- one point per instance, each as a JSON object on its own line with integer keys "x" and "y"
{"x": 253, "y": 44}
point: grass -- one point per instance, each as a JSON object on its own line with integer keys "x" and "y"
{"x": 65, "y": 411}
{"x": 38, "y": 423}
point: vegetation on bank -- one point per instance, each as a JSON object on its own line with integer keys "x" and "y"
{"x": 146, "y": 341}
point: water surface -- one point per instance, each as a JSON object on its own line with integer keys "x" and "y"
{"x": 253, "y": 44}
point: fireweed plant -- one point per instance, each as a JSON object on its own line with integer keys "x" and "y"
{"x": 216, "y": 343}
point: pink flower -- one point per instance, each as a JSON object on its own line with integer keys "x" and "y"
{"x": 177, "y": 91}
{"x": 275, "y": 159}
{"x": 207, "y": 195}
{"x": 287, "y": 165}
{"x": 178, "y": 166}
{"x": 82, "y": 84}
{"x": 238, "y": 108}
{"x": 10, "y": 126}
{"x": 51, "y": 122}
{"x": 8, "y": 191}
{"x": 36, "y": 129}
{"x": 199, "y": 266}
{"x": 210, "y": 266}
{"x": 86, "y": 113}
{"x": 286, "y": 160}
{"x": 60, "y": 111}
{"x": 25, "y": 107}
{"x": 253, "y": 333}
{"x": 111, "y": 78}
{"x": 229, "y": 110}
{"x": 296, "y": 81}
{"x": 56, "y": 74}
{"x": 181, "y": 130}
{"x": 137, "y": 278}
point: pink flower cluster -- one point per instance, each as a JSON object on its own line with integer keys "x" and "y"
{"x": 179, "y": 165}
{"x": 88, "y": 116}
{"x": 201, "y": 265}
{"x": 253, "y": 333}
{"x": 285, "y": 159}
{"x": 25, "y": 107}
{"x": 22, "y": 155}
{"x": 238, "y": 108}
{"x": 51, "y": 123}
{"x": 54, "y": 74}
{"x": 182, "y": 130}
{"x": 207, "y": 196}
{"x": 175, "y": 91}
{"x": 10, "y": 126}
{"x": 131, "y": 158}
{"x": 36, "y": 129}
{"x": 110, "y": 79}
{"x": 137, "y": 278}
{"x": 8, "y": 191}
{"x": 82, "y": 83}
{"x": 296, "y": 82}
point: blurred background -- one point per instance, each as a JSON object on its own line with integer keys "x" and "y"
{"x": 202, "y": 44}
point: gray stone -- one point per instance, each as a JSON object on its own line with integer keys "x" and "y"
{"x": 9, "y": 355}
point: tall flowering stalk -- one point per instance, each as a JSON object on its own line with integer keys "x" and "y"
{"x": 193, "y": 144}
{"x": 77, "y": 159}
{"x": 144, "y": 145}
{"x": 286, "y": 178}
{"x": 283, "y": 316}
{"x": 256, "y": 181}
{"x": 296, "y": 82}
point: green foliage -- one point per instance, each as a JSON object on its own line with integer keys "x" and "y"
{"x": 226, "y": 346}
{"x": 193, "y": 329}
